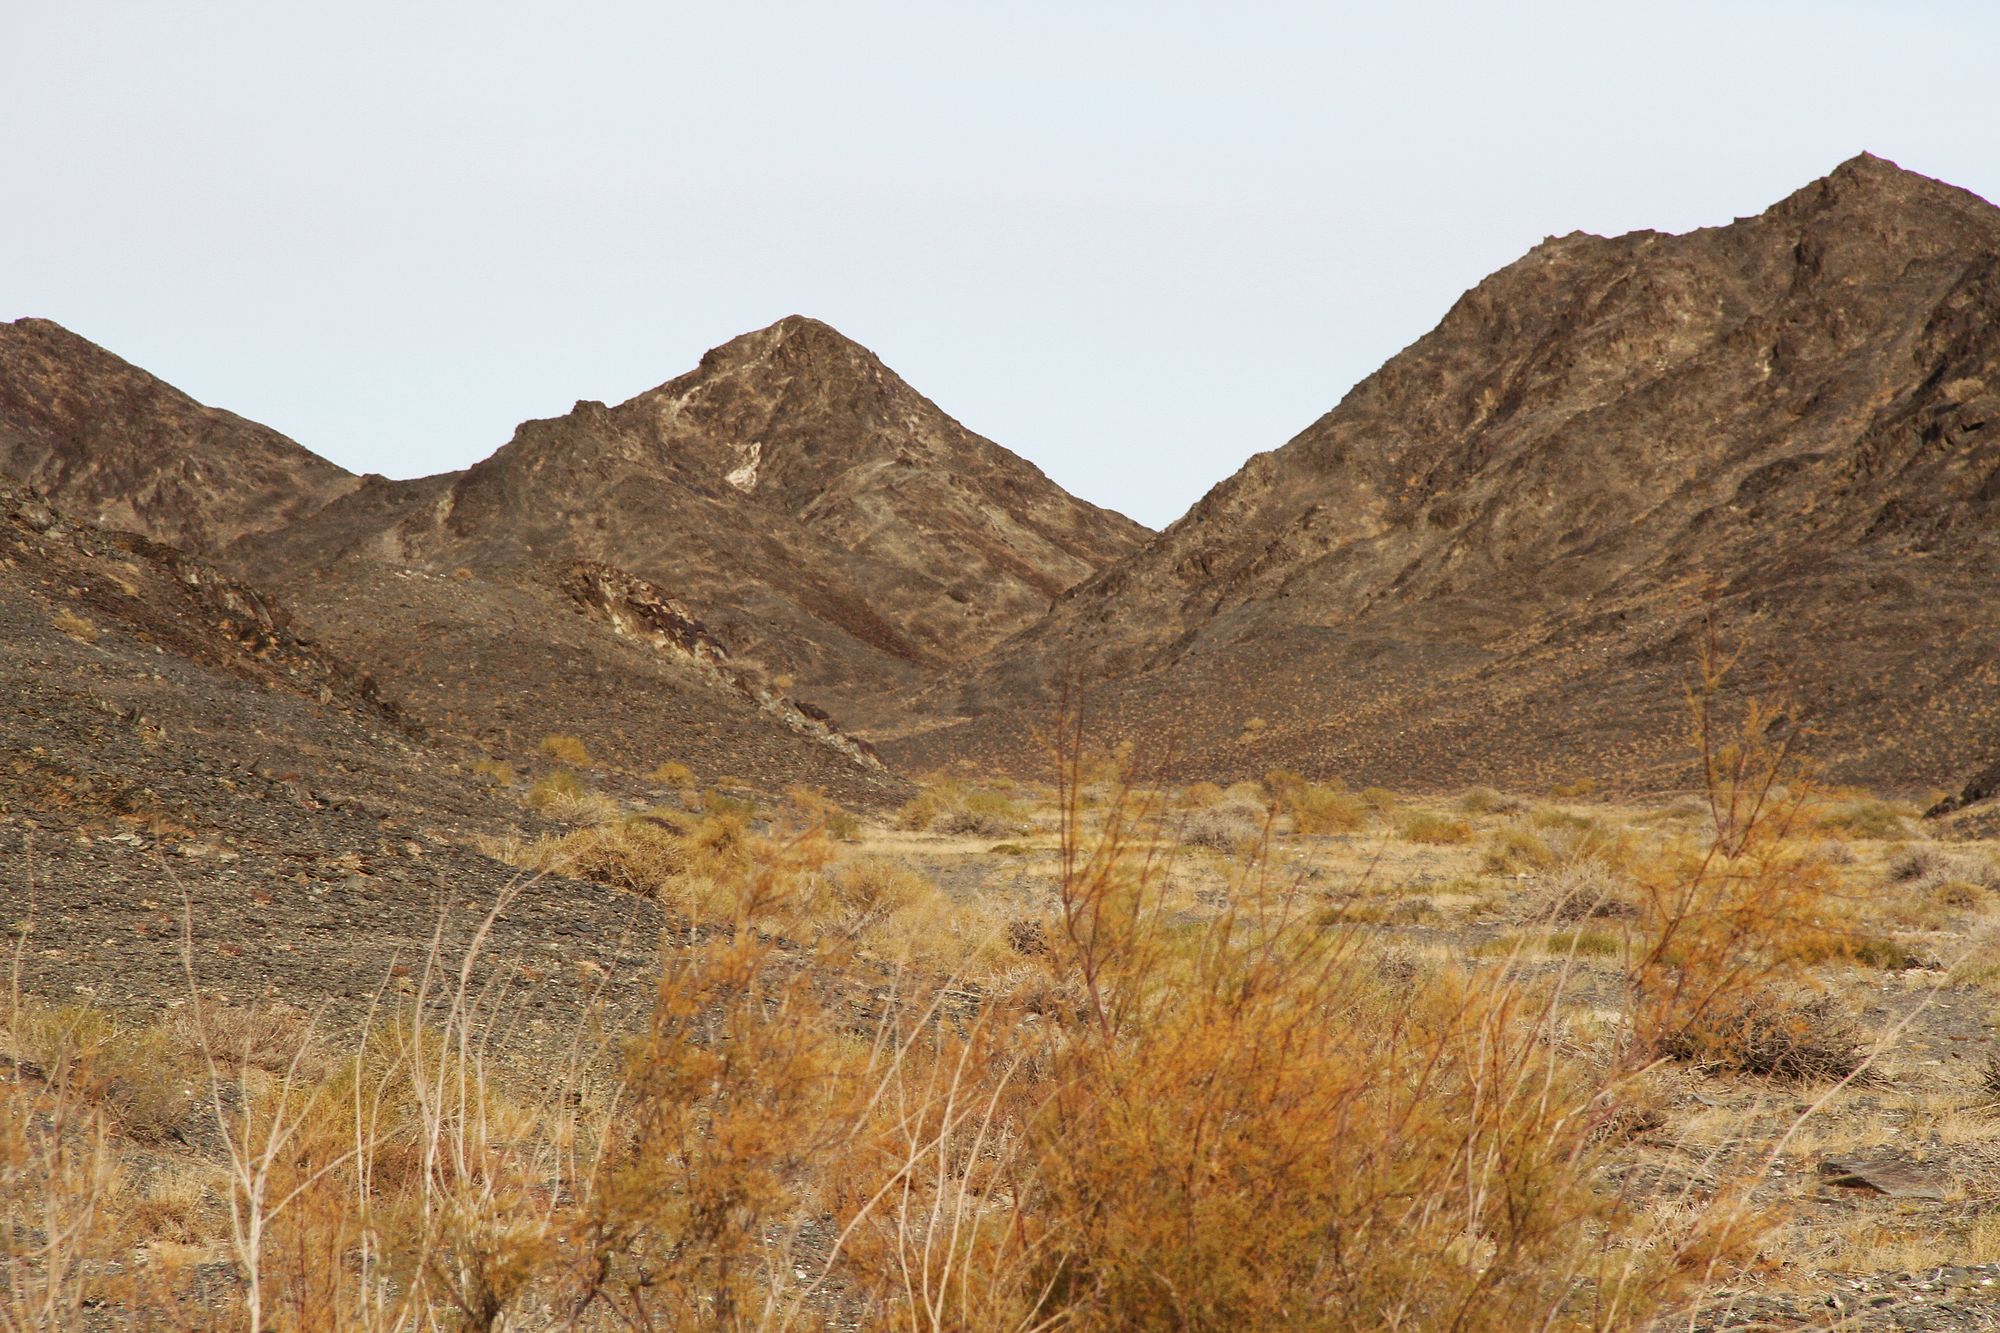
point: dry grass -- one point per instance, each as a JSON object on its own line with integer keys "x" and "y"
{"x": 76, "y": 626}
{"x": 947, "y": 805}
{"x": 496, "y": 771}
{"x": 673, "y": 773}
{"x": 565, "y": 797}
{"x": 1435, "y": 830}
{"x": 1532, "y": 1074}
{"x": 1315, "y": 807}
{"x": 566, "y": 750}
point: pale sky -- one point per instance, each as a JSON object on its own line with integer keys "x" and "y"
{"x": 1134, "y": 242}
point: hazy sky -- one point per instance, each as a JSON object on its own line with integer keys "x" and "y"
{"x": 1135, "y": 242}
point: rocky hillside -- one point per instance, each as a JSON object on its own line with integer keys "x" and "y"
{"x": 1492, "y": 559}
{"x": 105, "y": 440}
{"x": 838, "y": 533}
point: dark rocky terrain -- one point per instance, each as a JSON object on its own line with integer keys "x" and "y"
{"x": 171, "y": 742}
{"x": 1493, "y": 560}
{"x": 109, "y": 442}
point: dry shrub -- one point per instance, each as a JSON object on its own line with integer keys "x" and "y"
{"x": 496, "y": 771}
{"x": 1546, "y": 839}
{"x": 1279, "y": 781}
{"x": 1989, "y": 1077}
{"x": 76, "y": 626}
{"x": 1726, "y": 927}
{"x": 1581, "y": 890}
{"x": 562, "y": 796}
{"x": 893, "y": 912}
{"x": 1246, "y": 1125}
{"x": 565, "y": 749}
{"x": 1230, "y": 826}
{"x": 874, "y": 887}
{"x": 1868, "y": 817}
{"x": 948, "y": 806}
{"x": 1771, "y": 1032}
{"x": 174, "y": 1204}
{"x": 1201, "y": 795}
{"x": 738, "y": 1097}
{"x": 1316, "y": 808}
{"x": 1247, "y": 792}
{"x": 813, "y": 808}
{"x": 134, "y": 1072}
{"x": 1487, "y": 801}
{"x": 1927, "y": 869}
{"x": 639, "y": 855}
{"x": 1435, "y": 830}
{"x": 1516, "y": 849}
{"x": 59, "y": 1176}
{"x": 674, "y": 774}
{"x": 422, "y": 1181}
{"x": 268, "y": 1037}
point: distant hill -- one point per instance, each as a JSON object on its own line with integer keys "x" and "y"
{"x": 1491, "y": 561}
{"x": 837, "y": 537}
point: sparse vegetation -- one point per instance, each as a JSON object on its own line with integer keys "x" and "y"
{"x": 76, "y": 626}
{"x": 496, "y": 771}
{"x": 674, "y": 774}
{"x": 946, "y": 805}
{"x": 1486, "y": 801}
{"x": 816, "y": 808}
{"x": 563, "y": 795}
{"x": 565, "y": 749}
{"x": 1434, "y": 829}
{"x": 863, "y": 1096}
{"x": 1315, "y": 807}
{"x": 1868, "y": 817}
{"x": 1926, "y": 868}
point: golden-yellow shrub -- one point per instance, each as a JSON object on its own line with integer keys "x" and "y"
{"x": 565, "y": 749}
{"x": 1435, "y": 830}
{"x": 674, "y": 774}
{"x": 497, "y": 771}
{"x": 1323, "y": 809}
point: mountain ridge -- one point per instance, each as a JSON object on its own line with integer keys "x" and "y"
{"x": 104, "y": 438}
{"x": 1608, "y": 430}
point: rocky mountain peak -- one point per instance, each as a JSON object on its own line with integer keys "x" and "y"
{"x": 1907, "y": 213}
{"x": 1489, "y": 560}
{"x": 831, "y": 524}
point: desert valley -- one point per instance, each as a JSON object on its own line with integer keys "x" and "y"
{"x": 1522, "y": 853}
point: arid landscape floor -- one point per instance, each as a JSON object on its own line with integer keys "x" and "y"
{"x": 1878, "y": 1190}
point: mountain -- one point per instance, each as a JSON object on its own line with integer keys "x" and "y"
{"x": 1494, "y": 559}
{"x": 104, "y": 439}
{"x": 830, "y": 535}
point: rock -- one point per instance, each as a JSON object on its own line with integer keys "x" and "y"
{"x": 1895, "y": 1180}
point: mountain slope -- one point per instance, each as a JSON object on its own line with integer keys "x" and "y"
{"x": 833, "y": 531}
{"x": 106, "y": 440}
{"x": 1491, "y": 560}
